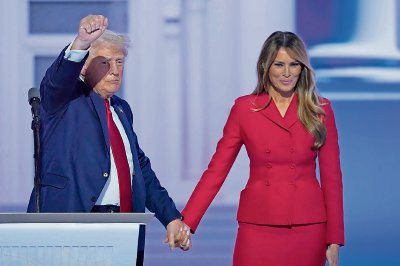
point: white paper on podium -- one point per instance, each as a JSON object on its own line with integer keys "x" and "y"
{"x": 69, "y": 244}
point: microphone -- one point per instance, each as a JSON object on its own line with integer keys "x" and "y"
{"x": 33, "y": 95}
{"x": 34, "y": 101}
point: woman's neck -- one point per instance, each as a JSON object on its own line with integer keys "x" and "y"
{"x": 281, "y": 97}
{"x": 281, "y": 100}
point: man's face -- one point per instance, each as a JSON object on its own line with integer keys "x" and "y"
{"x": 103, "y": 70}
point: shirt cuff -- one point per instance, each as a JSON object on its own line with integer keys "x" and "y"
{"x": 75, "y": 55}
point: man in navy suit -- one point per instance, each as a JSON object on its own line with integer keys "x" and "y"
{"x": 81, "y": 166}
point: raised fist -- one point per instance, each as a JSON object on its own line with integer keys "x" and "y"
{"x": 90, "y": 29}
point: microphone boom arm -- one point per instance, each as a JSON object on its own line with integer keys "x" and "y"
{"x": 34, "y": 101}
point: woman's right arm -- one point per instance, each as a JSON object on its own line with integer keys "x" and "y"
{"x": 212, "y": 179}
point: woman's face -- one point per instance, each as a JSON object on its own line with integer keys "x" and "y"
{"x": 284, "y": 73}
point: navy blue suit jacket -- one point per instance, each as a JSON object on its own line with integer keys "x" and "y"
{"x": 75, "y": 149}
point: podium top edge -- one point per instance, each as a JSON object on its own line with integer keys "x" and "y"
{"x": 141, "y": 218}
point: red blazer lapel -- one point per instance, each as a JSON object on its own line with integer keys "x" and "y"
{"x": 272, "y": 113}
{"x": 291, "y": 114}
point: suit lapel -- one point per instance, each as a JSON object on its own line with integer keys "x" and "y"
{"x": 122, "y": 117}
{"x": 127, "y": 127}
{"x": 100, "y": 108}
{"x": 272, "y": 113}
{"x": 291, "y": 114}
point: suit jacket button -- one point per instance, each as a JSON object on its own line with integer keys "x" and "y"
{"x": 292, "y": 166}
{"x": 269, "y": 165}
{"x": 105, "y": 174}
{"x": 93, "y": 199}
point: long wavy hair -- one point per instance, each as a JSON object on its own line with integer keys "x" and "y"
{"x": 309, "y": 109}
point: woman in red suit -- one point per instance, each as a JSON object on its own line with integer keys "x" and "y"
{"x": 285, "y": 216}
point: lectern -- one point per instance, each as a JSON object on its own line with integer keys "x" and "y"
{"x": 70, "y": 239}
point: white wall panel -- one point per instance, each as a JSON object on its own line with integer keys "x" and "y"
{"x": 16, "y": 136}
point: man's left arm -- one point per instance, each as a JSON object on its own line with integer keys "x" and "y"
{"x": 157, "y": 197}
{"x": 159, "y": 201}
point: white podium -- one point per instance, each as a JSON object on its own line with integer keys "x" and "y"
{"x": 70, "y": 239}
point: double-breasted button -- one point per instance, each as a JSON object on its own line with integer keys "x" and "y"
{"x": 105, "y": 174}
{"x": 291, "y": 150}
{"x": 267, "y": 151}
{"x": 267, "y": 183}
{"x": 269, "y": 165}
{"x": 292, "y": 166}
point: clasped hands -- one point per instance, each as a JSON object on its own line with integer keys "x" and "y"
{"x": 178, "y": 235}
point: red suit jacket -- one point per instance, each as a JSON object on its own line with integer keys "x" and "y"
{"x": 282, "y": 188}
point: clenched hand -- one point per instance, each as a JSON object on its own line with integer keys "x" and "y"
{"x": 90, "y": 29}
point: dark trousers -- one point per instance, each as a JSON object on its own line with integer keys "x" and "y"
{"x": 140, "y": 258}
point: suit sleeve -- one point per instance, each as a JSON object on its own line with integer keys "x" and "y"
{"x": 58, "y": 86}
{"x": 212, "y": 179}
{"x": 331, "y": 179}
{"x": 157, "y": 198}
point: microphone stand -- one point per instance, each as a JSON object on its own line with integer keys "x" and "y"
{"x": 37, "y": 149}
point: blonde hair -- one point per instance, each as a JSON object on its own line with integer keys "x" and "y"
{"x": 309, "y": 109}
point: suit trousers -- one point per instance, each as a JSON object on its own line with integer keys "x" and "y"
{"x": 280, "y": 245}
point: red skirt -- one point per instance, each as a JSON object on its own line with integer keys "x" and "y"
{"x": 264, "y": 245}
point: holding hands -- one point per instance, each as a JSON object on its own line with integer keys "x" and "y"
{"x": 178, "y": 235}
